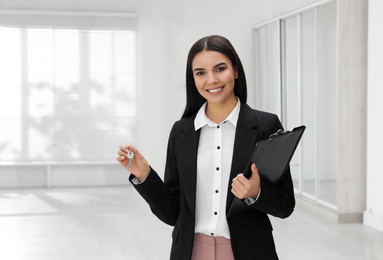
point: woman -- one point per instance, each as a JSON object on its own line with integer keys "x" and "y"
{"x": 216, "y": 212}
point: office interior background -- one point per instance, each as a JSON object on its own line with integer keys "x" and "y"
{"x": 79, "y": 78}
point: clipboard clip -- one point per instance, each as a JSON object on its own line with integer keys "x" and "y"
{"x": 279, "y": 132}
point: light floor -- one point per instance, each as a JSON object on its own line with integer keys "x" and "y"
{"x": 115, "y": 223}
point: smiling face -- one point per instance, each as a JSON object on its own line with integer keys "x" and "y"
{"x": 214, "y": 77}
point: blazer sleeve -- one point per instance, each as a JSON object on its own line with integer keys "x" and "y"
{"x": 277, "y": 200}
{"x": 162, "y": 198}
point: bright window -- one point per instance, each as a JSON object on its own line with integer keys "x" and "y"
{"x": 67, "y": 86}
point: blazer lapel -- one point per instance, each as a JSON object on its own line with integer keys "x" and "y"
{"x": 188, "y": 148}
{"x": 245, "y": 140}
{"x": 188, "y": 140}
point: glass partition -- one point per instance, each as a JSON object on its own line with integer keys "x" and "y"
{"x": 268, "y": 67}
{"x": 307, "y": 92}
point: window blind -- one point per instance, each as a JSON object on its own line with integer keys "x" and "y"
{"x": 67, "y": 86}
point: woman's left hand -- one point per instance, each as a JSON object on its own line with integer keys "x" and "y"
{"x": 245, "y": 188}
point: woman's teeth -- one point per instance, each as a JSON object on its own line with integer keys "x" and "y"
{"x": 214, "y": 90}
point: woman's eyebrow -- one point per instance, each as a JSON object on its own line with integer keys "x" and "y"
{"x": 219, "y": 64}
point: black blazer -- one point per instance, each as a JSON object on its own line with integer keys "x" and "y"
{"x": 173, "y": 200}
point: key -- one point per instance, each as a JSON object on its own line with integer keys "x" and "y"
{"x": 130, "y": 156}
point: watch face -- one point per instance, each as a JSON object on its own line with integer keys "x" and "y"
{"x": 250, "y": 200}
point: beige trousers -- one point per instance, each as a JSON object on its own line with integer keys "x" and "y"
{"x": 211, "y": 248}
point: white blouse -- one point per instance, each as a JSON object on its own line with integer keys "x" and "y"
{"x": 215, "y": 153}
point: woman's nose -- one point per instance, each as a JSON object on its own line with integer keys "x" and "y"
{"x": 212, "y": 79}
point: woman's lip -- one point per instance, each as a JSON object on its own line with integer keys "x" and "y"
{"x": 215, "y": 90}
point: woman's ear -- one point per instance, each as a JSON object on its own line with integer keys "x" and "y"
{"x": 235, "y": 72}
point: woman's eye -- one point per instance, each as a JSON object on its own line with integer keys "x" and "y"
{"x": 199, "y": 73}
{"x": 220, "y": 69}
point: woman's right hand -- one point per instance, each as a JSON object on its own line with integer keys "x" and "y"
{"x": 140, "y": 167}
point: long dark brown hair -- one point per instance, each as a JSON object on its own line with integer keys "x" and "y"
{"x": 212, "y": 43}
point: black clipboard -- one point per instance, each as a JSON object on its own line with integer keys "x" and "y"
{"x": 272, "y": 155}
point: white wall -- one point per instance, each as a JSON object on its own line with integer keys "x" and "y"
{"x": 167, "y": 29}
{"x": 374, "y": 213}
{"x": 352, "y": 109}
